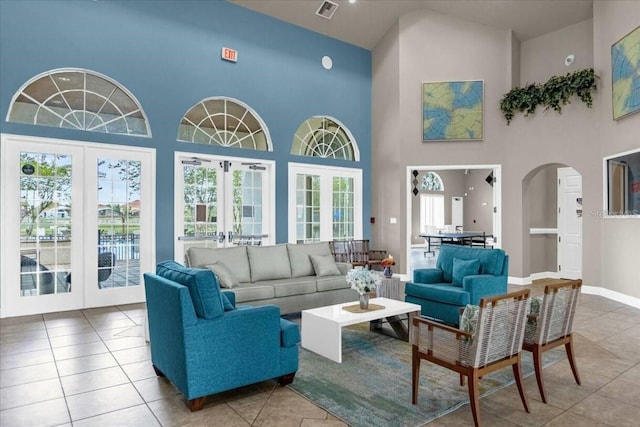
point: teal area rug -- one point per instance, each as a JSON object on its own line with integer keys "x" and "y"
{"x": 372, "y": 385}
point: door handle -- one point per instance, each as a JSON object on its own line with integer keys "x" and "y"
{"x": 230, "y": 236}
{"x": 221, "y": 237}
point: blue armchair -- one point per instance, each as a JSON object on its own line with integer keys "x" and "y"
{"x": 463, "y": 275}
{"x": 204, "y": 344}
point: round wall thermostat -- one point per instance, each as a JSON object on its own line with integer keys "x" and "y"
{"x": 327, "y": 63}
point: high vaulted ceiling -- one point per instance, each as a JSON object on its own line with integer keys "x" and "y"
{"x": 364, "y": 22}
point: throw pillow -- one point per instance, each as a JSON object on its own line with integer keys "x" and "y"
{"x": 225, "y": 277}
{"x": 324, "y": 265}
{"x": 532, "y": 319}
{"x": 462, "y": 268}
{"x": 207, "y": 299}
{"x": 469, "y": 319}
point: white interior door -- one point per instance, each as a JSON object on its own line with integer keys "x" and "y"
{"x": 569, "y": 223}
{"x": 51, "y": 237}
{"x": 457, "y": 211}
{"x": 224, "y": 202}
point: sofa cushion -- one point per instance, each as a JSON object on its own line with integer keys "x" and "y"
{"x": 207, "y": 299}
{"x": 324, "y": 265}
{"x": 225, "y": 277}
{"x": 463, "y": 268}
{"x": 299, "y": 257}
{"x": 289, "y": 287}
{"x": 234, "y": 258}
{"x": 253, "y": 292}
{"x": 491, "y": 260}
{"x": 331, "y": 283}
{"x": 269, "y": 262}
{"x": 440, "y": 292}
{"x": 289, "y": 333}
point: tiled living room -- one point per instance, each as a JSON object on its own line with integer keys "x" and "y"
{"x": 145, "y": 128}
{"x": 92, "y": 367}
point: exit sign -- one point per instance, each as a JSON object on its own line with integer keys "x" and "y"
{"x": 229, "y": 54}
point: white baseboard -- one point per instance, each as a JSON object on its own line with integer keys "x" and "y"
{"x": 545, "y": 275}
{"x": 612, "y": 295}
{"x": 522, "y": 281}
{"x": 591, "y": 290}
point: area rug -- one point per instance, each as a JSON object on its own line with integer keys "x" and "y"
{"x": 372, "y": 385}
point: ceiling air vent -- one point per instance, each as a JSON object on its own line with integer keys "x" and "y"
{"x": 327, "y": 9}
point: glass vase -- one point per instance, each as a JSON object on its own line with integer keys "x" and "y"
{"x": 364, "y": 301}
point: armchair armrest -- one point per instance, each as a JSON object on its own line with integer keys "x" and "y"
{"x": 428, "y": 275}
{"x": 231, "y": 296}
{"x": 440, "y": 341}
{"x": 483, "y": 285}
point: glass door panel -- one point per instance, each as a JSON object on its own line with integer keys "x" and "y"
{"x": 325, "y": 203}
{"x": 224, "y": 202}
{"x": 41, "y": 213}
{"x": 120, "y": 248}
{"x": 45, "y": 238}
{"x": 307, "y": 208}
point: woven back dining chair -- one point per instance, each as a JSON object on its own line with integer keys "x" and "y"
{"x": 496, "y": 343}
{"x": 359, "y": 253}
{"x": 550, "y": 325}
{"x": 340, "y": 250}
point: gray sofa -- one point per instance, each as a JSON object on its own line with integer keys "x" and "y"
{"x": 294, "y": 277}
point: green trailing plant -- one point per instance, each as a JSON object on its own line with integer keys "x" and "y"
{"x": 555, "y": 93}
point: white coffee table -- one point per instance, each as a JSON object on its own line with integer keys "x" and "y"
{"x": 322, "y": 327}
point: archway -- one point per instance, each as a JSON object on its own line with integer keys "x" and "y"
{"x": 552, "y": 212}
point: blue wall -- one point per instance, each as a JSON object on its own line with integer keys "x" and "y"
{"x": 167, "y": 53}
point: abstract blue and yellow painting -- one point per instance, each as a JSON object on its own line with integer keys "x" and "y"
{"x": 625, "y": 72}
{"x": 452, "y": 111}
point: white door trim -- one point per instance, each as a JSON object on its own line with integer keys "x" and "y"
{"x": 497, "y": 200}
{"x": 269, "y": 223}
{"x": 8, "y": 258}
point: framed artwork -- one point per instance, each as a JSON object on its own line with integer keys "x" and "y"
{"x": 452, "y": 111}
{"x": 625, "y": 74}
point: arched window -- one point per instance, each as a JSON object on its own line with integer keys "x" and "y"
{"x": 226, "y": 122}
{"x": 78, "y": 99}
{"x": 431, "y": 181}
{"x": 321, "y": 136}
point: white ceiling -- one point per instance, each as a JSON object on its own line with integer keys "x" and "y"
{"x": 364, "y": 22}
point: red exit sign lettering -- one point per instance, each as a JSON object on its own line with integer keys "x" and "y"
{"x": 229, "y": 54}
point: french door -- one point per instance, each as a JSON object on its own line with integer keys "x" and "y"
{"x": 223, "y": 201}
{"x": 77, "y": 224}
{"x": 325, "y": 203}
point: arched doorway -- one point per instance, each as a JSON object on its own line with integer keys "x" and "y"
{"x": 552, "y": 210}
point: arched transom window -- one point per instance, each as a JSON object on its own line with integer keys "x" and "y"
{"x": 321, "y": 136}
{"x": 226, "y": 122}
{"x": 78, "y": 99}
{"x": 431, "y": 181}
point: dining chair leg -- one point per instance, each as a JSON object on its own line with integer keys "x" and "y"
{"x": 517, "y": 374}
{"x": 474, "y": 401}
{"x": 537, "y": 364}
{"x": 572, "y": 361}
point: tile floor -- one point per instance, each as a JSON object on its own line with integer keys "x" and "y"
{"x": 92, "y": 368}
